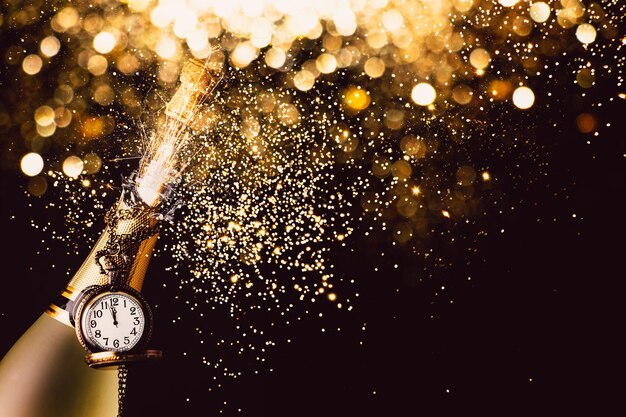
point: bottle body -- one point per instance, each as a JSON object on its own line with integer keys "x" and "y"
{"x": 45, "y": 374}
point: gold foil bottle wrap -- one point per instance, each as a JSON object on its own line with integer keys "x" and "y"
{"x": 130, "y": 223}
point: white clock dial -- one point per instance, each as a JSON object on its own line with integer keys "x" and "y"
{"x": 113, "y": 321}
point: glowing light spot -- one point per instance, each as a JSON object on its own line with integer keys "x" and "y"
{"x": 72, "y": 166}
{"x": 392, "y": 20}
{"x": 586, "y": 33}
{"x": 275, "y": 57}
{"x": 345, "y": 21}
{"x": 540, "y": 12}
{"x": 186, "y": 21}
{"x": 37, "y": 186}
{"x": 326, "y": 63}
{"x": 32, "y": 64}
{"x": 50, "y": 46}
{"x": 445, "y": 213}
{"x": 304, "y": 80}
{"x": 97, "y": 65}
{"x": 67, "y": 18}
{"x": 356, "y": 98}
{"x": 161, "y": 16}
{"x": 479, "y": 58}
{"x": 244, "y": 54}
{"x": 47, "y": 130}
{"x": 166, "y": 48}
{"x": 374, "y": 67}
{"x": 462, "y": 94}
{"x": 332, "y": 296}
{"x": 486, "y": 176}
{"x": 31, "y": 164}
{"x": 198, "y": 40}
{"x": 586, "y": 122}
{"x": 261, "y": 33}
{"x": 508, "y": 3}
{"x": 44, "y": 115}
{"x": 92, "y": 163}
{"x": 423, "y": 94}
{"x": 104, "y": 42}
{"x": 415, "y": 190}
{"x": 138, "y": 5}
{"x": 523, "y": 98}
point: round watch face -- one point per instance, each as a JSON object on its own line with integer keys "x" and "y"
{"x": 113, "y": 321}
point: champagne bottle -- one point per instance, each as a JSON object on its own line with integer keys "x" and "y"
{"x": 44, "y": 374}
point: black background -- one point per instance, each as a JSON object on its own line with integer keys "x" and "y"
{"x": 535, "y": 330}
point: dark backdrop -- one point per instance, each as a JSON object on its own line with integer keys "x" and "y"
{"x": 534, "y": 331}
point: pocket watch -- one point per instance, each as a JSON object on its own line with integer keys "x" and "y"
{"x": 113, "y": 323}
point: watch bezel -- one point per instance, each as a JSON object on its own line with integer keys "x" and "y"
{"x": 90, "y": 294}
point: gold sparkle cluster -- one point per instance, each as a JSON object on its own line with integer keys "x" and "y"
{"x": 400, "y": 88}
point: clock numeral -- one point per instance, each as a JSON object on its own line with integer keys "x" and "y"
{"x": 93, "y": 323}
{"x": 124, "y": 303}
{"x": 116, "y": 343}
{"x": 134, "y": 331}
{"x": 126, "y": 340}
{"x": 133, "y": 311}
{"x": 136, "y": 321}
{"x": 114, "y": 302}
{"x": 106, "y": 341}
{"x": 98, "y": 333}
{"x": 104, "y": 305}
{"x": 98, "y": 313}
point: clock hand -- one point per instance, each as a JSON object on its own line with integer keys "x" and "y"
{"x": 114, "y": 313}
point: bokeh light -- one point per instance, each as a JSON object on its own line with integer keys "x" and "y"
{"x": 586, "y": 33}
{"x": 32, "y": 64}
{"x": 73, "y": 166}
{"x": 32, "y": 164}
{"x": 50, "y": 46}
{"x": 104, "y": 42}
{"x": 423, "y": 94}
{"x": 540, "y": 12}
{"x": 523, "y": 98}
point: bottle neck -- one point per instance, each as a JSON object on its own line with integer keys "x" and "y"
{"x": 127, "y": 243}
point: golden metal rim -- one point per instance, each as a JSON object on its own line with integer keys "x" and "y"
{"x": 105, "y": 359}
